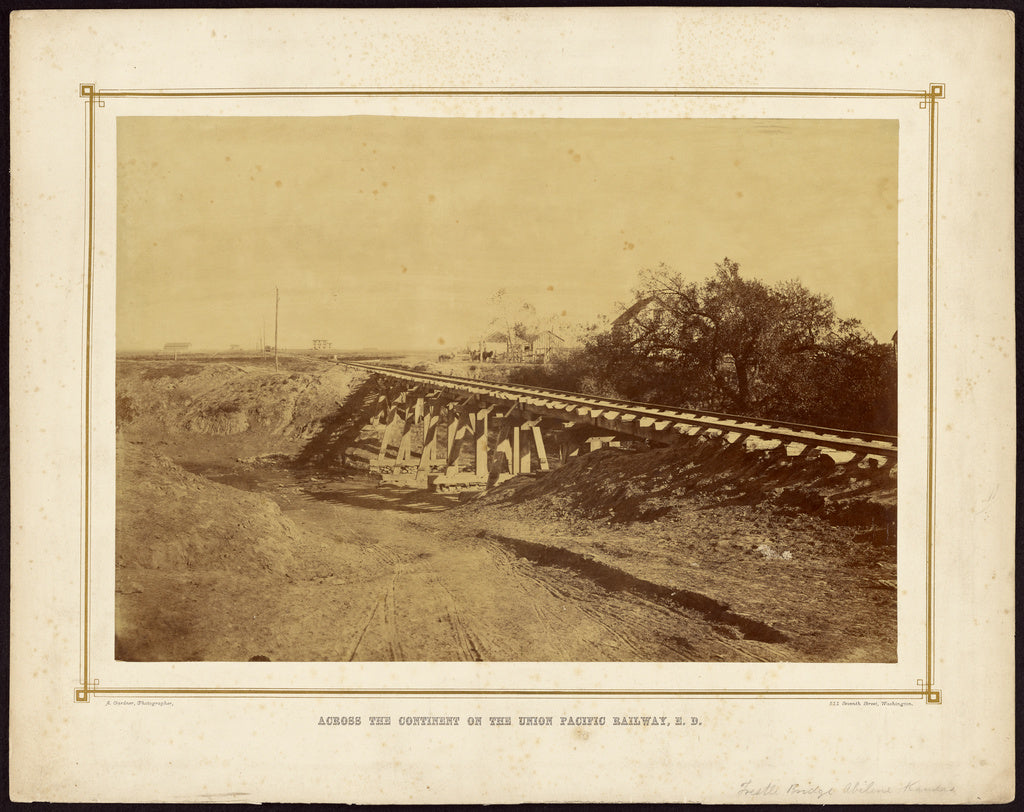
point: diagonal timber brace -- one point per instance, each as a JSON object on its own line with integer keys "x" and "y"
{"x": 436, "y": 437}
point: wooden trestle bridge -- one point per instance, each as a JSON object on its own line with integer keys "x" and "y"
{"x": 534, "y": 422}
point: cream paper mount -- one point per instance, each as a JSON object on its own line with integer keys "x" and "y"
{"x": 932, "y": 727}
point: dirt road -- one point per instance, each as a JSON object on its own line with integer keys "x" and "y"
{"x": 390, "y": 574}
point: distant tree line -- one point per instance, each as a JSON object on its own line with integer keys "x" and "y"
{"x": 737, "y": 345}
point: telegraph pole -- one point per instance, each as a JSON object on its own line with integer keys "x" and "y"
{"x": 277, "y": 304}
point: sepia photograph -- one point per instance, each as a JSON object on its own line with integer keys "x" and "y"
{"x": 398, "y": 388}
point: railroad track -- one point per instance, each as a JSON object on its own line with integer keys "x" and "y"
{"x": 660, "y": 423}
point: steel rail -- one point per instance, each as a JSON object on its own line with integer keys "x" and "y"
{"x": 814, "y": 436}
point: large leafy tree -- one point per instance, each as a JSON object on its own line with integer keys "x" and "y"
{"x": 740, "y": 345}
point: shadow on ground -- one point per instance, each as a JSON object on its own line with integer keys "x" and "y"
{"x": 328, "y": 449}
{"x": 384, "y": 497}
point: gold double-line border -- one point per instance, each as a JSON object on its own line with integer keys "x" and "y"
{"x": 95, "y": 97}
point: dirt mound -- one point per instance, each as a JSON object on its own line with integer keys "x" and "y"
{"x": 220, "y": 398}
{"x": 619, "y": 486}
{"x": 801, "y": 550}
{"x": 169, "y": 519}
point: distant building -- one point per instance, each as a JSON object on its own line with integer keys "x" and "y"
{"x": 545, "y": 342}
{"x": 496, "y": 344}
{"x": 530, "y": 347}
{"x": 321, "y": 344}
{"x": 624, "y": 323}
{"x": 177, "y": 346}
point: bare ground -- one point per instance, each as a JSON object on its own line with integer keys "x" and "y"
{"x": 244, "y": 531}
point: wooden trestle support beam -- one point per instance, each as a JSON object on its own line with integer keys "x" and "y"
{"x": 484, "y": 441}
{"x": 446, "y": 441}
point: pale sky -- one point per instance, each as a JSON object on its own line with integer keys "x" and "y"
{"x": 394, "y": 232}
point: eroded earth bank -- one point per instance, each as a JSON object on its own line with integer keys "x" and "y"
{"x": 248, "y": 529}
